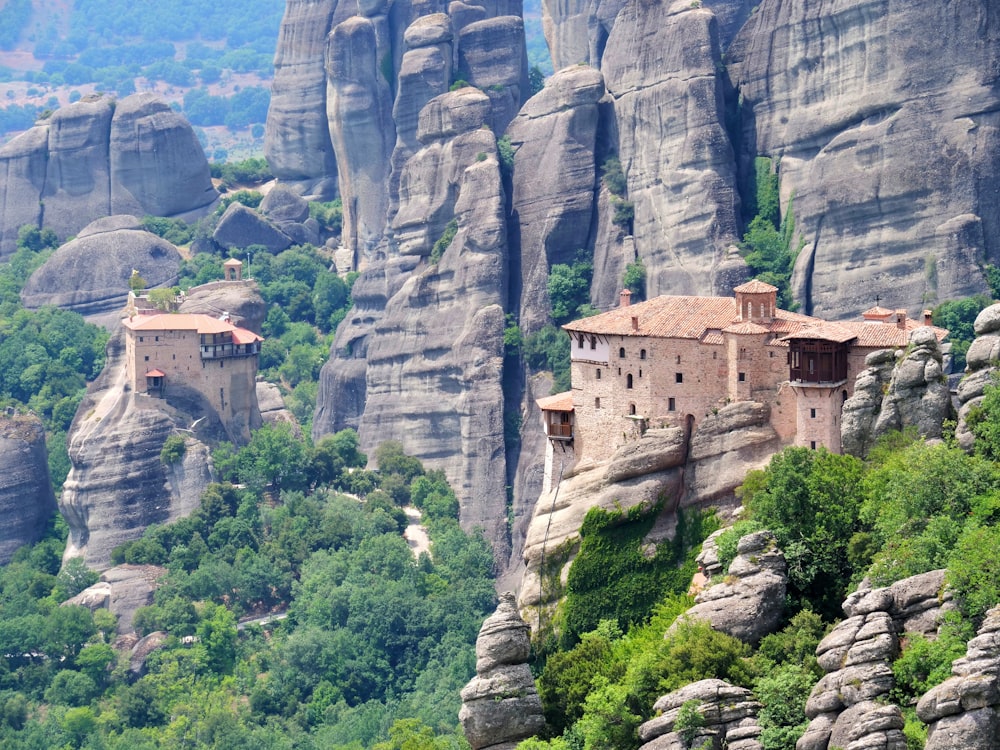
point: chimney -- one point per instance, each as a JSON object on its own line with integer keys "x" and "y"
{"x": 901, "y": 319}
{"x": 927, "y": 318}
{"x": 635, "y": 322}
{"x": 625, "y": 298}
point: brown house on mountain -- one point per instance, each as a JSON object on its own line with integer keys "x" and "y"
{"x": 670, "y": 361}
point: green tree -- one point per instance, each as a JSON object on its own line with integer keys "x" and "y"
{"x": 958, "y": 316}
{"x": 569, "y": 288}
{"x": 274, "y": 457}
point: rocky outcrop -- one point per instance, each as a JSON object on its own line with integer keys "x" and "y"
{"x": 96, "y": 158}
{"x": 26, "y": 498}
{"x": 500, "y": 705}
{"x": 554, "y": 138}
{"x": 726, "y": 445}
{"x": 883, "y": 118}
{"x": 849, "y": 706}
{"x": 662, "y": 68}
{"x": 359, "y": 71}
{"x": 705, "y": 468}
{"x": 157, "y": 164}
{"x": 964, "y": 710}
{"x": 90, "y": 274}
{"x": 122, "y": 590}
{"x": 118, "y": 484}
{"x": 290, "y": 215}
{"x": 862, "y": 409}
{"x": 297, "y": 136}
{"x": 492, "y": 56}
{"x": 980, "y": 368}
{"x": 241, "y": 226}
{"x": 652, "y": 471}
{"x": 749, "y": 603}
{"x": 916, "y": 394}
{"x": 728, "y": 713}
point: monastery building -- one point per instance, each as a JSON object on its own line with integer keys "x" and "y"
{"x": 671, "y": 361}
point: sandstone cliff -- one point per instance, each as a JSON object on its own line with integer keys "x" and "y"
{"x": 26, "y": 499}
{"x": 97, "y": 158}
{"x": 980, "y": 369}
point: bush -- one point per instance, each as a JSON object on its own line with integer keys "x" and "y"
{"x": 444, "y": 241}
{"x": 173, "y": 449}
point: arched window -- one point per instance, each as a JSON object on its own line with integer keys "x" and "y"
{"x": 642, "y": 354}
{"x": 621, "y": 352}
{"x": 631, "y": 409}
{"x": 628, "y": 380}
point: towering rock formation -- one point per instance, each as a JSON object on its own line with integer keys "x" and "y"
{"x": 93, "y": 159}
{"x": 500, "y": 705}
{"x": 433, "y": 355}
{"x": 883, "y": 117}
{"x": 662, "y": 67}
{"x": 26, "y": 499}
{"x": 297, "y": 144}
{"x": 554, "y": 138}
{"x": 915, "y": 394}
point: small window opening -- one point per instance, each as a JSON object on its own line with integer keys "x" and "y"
{"x": 597, "y": 402}
{"x": 621, "y": 352}
{"x": 642, "y": 354}
{"x": 671, "y": 405}
{"x": 812, "y": 414}
{"x": 631, "y": 409}
{"x": 593, "y": 342}
{"x": 678, "y": 377}
{"x": 812, "y": 444}
{"x": 743, "y": 377}
{"x": 628, "y": 380}
{"x": 598, "y": 373}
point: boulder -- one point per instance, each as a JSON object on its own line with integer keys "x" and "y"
{"x": 749, "y": 603}
{"x": 158, "y": 167}
{"x": 241, "y": 227}
{"x": 90, "y": 274}
{"x": 656, "y": 451}
{"x": 122, "y": 590}
{"x": 282, "y": 205}
{"x": 729, "y": 716}
{"x": 22, "y": 164}
{"x": 500, "y": 705}
{"x": 26, "y": 498}
{"x": 980, "y": 371}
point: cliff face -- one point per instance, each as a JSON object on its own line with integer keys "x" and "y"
{"x": 94, "y": 159}
{"x": 883, "y": 116}
{"x": 26, "y": 499}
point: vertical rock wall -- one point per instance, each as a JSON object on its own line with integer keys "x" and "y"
{"x": 26, "y": 499}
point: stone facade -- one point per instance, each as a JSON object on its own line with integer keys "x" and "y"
{"x": 168, "y": 353}
{"x": 673, "y": 361}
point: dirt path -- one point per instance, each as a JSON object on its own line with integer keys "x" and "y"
{"x": 416, "y": 533}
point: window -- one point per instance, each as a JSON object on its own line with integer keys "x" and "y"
{"x": 173, "y": 356}
{"x": 140, "y": 339}
{"x": 593, "y": 342}
{"x": 597, "y": 402}
{"x": 621, "y": 352}
{"x": 598, "y": 373}
{"x": 812, "y": 444}
{"x": 671, "y": 405}
{"x": 770, "y": 355}
{"x": 628, "y": 380}
{"x": 146, "y": 358}
{"x": 640, "y": 373}
{"x": 743, "y": 377}
{"x": 642, "y": 354}
{"x": 631, "y": 409}
{"x": 222, "y": 363}
{"x": 715, "y": 355}
{"x": 678, "y": 377}
{"x": 812, "y": 414}
{"x": 156, "y": 338}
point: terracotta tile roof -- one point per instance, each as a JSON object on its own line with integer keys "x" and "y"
{"x": 156, "y": 374}
{"x": 876, "y": 312}
{"x": 745, "y": 327}
{"x": 666, "y": 317}
{"x": 243, "y": 336}
{"x": 877, "y": 335}
{"x": 559, "y": 402}
{"x": 189, "y": 322}
{"x": 824, "y": 331}
{"x": 755, "y": 286}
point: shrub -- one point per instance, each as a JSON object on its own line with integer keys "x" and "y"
{"x": 173, "y": 449}
{"x": 444, "y": 241}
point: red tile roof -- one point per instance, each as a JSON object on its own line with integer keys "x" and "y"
{"x": 825, "y": 332}
{"x": 243, "y": 336}
{"x": 745, "y": 327}
{"x": 156, "y": 374}
{"x": 755, "y": 286}
{"x": 189, "y": 322}
{"x": 559, "y": 402}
